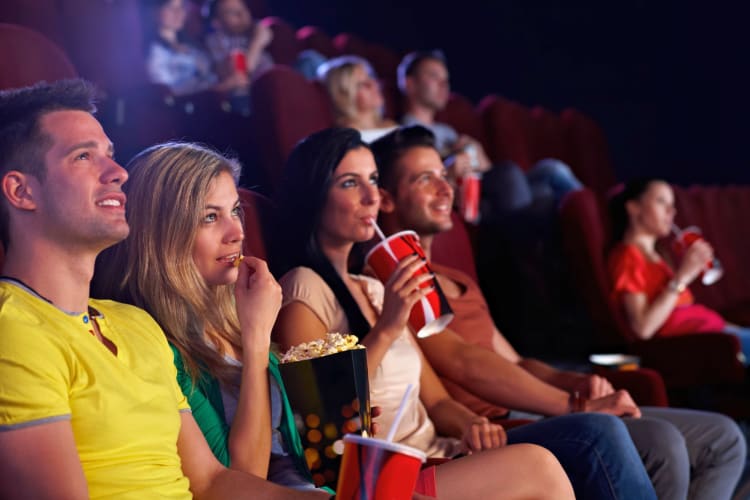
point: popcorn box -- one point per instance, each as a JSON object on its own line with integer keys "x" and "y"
{"x": 330, "y": 397}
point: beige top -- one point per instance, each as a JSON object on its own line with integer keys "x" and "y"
{"x": 400, "y": 366}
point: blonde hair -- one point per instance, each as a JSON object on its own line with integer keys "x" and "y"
{"x": 336, "y": 76}
{"x": 154, "y": 269}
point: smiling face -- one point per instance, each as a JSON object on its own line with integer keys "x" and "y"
{"x": 421, "y": 198}
{"x": 353, "y": 201}
{"x": 218, "y": 241}
{"x": 80, "y": 200}
{"x": 654, "y": 211}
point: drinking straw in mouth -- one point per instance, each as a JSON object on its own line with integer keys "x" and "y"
{"x": 399, "y": 413}
{"x": 676, "y": 230}
{"x": 377, "y": 229}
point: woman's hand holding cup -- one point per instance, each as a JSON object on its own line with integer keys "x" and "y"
{"x": 694, "y": 260}
{"x": 402, "y": 291}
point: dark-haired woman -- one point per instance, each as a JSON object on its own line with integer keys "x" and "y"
{"x": 655, "y": 296}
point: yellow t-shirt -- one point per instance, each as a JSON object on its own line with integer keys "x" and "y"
{"x": 124, "y": 409}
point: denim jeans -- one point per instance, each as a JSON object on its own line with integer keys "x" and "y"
{"x": 743, "y": 334}
{"x": 596, "y": 452}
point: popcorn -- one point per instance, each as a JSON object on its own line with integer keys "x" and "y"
{"x": 331, "y": 344}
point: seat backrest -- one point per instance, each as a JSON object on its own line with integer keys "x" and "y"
{"x": 589, "y": 156}
{"x": 349, "y": 44}
{"x": 27, "y": 57}
{"x": 460, "y": 114}
{"x": 585, "y": 237}
{"x": 454, "y": 248}
{"x": 547, "y": 135}
{"x": 257, "y": 211}
{"x": 384, "y": 60}
{"x": 42, "y": 16}
{"x": 284, "y": 45}
{"x": 286, "y": 108}
{"x": 105, "y": 40}
{"x": 507, "y": 125}
{"x": 312, "y": 37}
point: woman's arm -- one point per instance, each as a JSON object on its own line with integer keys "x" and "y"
{"x": 258, "y": 297}
{"x": 646, "y": 318}
{"x": 451, "y": 418}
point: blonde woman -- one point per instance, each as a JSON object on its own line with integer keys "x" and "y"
{"x": 179, "y": 263}
{"x": 355, "y": 96}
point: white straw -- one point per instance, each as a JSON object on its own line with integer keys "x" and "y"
{"x": 377, "y": 229}
{"x": 676, "y": 230}
{"x": 399, "y": 413}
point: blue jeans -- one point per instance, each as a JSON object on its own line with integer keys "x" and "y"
{"x": 596, "y": 452}
{"x": 743, "y": 334}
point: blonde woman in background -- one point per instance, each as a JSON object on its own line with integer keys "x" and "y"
{"x": 355, "y": 95}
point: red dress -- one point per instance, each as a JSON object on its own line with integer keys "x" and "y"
{"x": 631, "y": 272}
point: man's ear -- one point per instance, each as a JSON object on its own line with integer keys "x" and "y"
{"x": 18, "y": 189}
{"x": 387, "y": 203}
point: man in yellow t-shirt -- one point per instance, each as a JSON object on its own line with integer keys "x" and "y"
{"x": 89, "y": 404}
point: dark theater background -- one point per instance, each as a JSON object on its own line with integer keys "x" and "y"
{"x": 666, "y": 80}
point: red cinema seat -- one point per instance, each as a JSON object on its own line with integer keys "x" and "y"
{"x": 588, "y": 151}
{"x": 684, "y": 361}
{"x": 257, "y": 215}
{"x": 286, "y": 108}
{"x": 507, "y": 126}
{"x": 349, "y": 43}
{"x": 105, "y": 41}
{"x": 42, "y": 16}
{"x": 460, "y": 114}
{"x": 27, "y": 57}
{"x": 312, "y": 37}
{"x": 284, "y": 46}
{"x": 548, "y": 135}
{"x": 383, "y": 60}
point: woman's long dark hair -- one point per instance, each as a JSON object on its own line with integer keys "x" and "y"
{"x": 304, "y": 189}
{"x": 618, "y": 212}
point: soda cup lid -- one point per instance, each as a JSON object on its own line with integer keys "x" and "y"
{"x": 386, "y": 445}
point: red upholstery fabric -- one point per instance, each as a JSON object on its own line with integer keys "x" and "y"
{"x": 41, "y": 16}
{"x": 384, "y": 60}
{"x": 284, "y": 46}
{"x": 105, "y": 41}
{"x": 349, "y": 44}
{"x": 507, "y": 125}
{"x": 588, "y": 151}
{"x": 453, "y": 248}
{"x": 645, "y": 385}
{"x": 27, "y": 57}
{"x": 683, "y": 361}
{"x": 460, "y": 114}
{"x": 312, "y": 37}
{"x": 257, "y": 212}
{"x": 286, "y": 108}
{"x": 547, "y": 135}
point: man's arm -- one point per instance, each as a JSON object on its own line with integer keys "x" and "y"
{"x": 209, "y": 479}
{"x": 41, "y": 462}
{"x": 491, "y": 376}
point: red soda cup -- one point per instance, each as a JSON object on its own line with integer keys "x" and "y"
{"x": 239, "y": 60}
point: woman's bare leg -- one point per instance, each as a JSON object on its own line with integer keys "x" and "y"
{"x": 520, "y": 471}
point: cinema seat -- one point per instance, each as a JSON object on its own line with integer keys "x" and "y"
{"x": 685, "y": 362}
{"x": 27, "y": 57}
{"x": 286, "y": 108}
